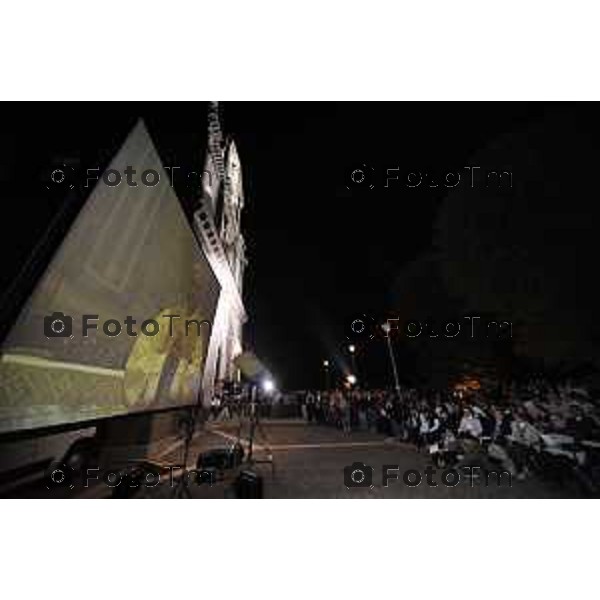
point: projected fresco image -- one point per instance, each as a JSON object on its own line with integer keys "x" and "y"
{"x": 130, "y": 258}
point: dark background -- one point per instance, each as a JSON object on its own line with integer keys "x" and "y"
{"x": 320, "y": 252}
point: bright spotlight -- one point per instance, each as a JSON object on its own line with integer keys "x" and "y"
{"x": 351, "y": 379}
{"x": 325, "y": 363}
{"x": 352, "y": 348}
{"x": 268, "y": 385}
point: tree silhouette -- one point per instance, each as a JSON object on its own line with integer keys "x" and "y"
{"x": 443, "y": 351}
{"x": 527, "y": 253}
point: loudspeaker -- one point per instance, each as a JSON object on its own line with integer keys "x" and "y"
{"x": 221, "y": 458}
{"x": 248, "y": 484}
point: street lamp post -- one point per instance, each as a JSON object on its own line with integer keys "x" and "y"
{"x": 386, "y": 328}
{"x": 352, "y": 350}
{"x": 326, "y": 367}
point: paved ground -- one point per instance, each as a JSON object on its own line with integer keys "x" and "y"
{"x": 309, "y": 462}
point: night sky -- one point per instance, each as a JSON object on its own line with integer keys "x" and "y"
{"x": 319, "y": 252}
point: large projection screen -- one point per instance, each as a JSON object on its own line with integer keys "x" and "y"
{"x": 130, "y": 253}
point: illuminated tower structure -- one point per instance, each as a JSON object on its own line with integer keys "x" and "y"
{"x": 218, "y": 223}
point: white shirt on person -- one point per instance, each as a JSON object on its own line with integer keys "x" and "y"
{"x": 470, "y": 425}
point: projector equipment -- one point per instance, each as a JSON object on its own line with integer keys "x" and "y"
{"x": 248, "y": 484}
{"x": 221, "y": 459}
{"x": 212, "y": 464}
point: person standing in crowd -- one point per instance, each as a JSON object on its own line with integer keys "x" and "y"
{"x": 215, "y": 405}
{"x": 423, "y": 429}
{"x": 309, "y": 403}
{"x": 345, "y": 414}
{"x": 524, "y": 438}
{"x": 303, "y": 408}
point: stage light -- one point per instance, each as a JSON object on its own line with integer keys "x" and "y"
{"x": 352, "y": 348}
{"x": 325, "y": 363}
{"x": 351, "y": 379}
{"x": 268, "y": 385}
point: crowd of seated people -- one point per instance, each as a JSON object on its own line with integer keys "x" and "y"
{"x": 529, "y": 417}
